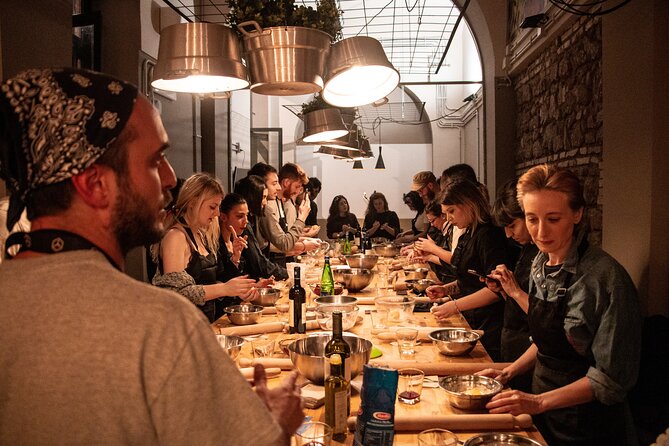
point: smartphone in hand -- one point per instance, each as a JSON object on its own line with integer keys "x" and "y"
{"x": 477, "y": 274}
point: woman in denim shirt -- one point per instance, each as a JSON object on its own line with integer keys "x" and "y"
{"x": 584, "y": 320}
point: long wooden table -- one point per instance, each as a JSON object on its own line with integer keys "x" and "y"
{"x": 433, "y": 400}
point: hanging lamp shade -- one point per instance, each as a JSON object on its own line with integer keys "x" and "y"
{"x": 357, "y": 164}
{"x": 339, "y": 152}
{"x": 379, "y": 161}
{"x": 348, "y": 141}
{"x": 323, "y": 125}
{"x": 358, "y": 73}
{"x": 199, "y": 58}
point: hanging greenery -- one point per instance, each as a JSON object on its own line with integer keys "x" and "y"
{"x": 326, "y": 17}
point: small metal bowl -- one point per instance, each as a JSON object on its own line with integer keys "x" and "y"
{"x": 267, "y": 296}
{"x": 364, "y": 261}
{"x": 244, "y": 314}
{"x": 349, "y": 315}
{"x": 500, "y": 438}
{"x": 415, "y": 273}
{"x": 307, "y": 354}
{"x": 419, "y": 285}
{"x": 386, "y": 250}
{"x": 470, "y": 392}
{"x": 335, "y": 300}
{"x": 357, "y": 279}
{"x": 231, "y": 344}
{"x": 455, "y": 341}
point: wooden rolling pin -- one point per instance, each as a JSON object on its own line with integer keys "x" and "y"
{"x": 268, "y": 311}
{"x": 468, "y": 422}
{"x": 440, "y": 368}
{"x": 365, "y": 300}
{"x": 253, "y": 329}
{"x": 281, "y": 363}
{"x": 271, "y": 372}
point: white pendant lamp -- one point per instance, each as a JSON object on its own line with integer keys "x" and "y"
{"x": 199, "y": 58}
{"x": 359, "y": 73}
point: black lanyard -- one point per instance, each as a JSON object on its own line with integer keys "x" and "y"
{"x": 52, "y": 241}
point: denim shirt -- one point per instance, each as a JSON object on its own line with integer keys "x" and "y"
{"x": 603, "y": 319}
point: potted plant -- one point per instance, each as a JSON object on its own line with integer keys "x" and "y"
{"x": 282, "y": 32}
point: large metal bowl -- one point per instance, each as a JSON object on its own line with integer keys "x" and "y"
{"x": 335, "y": 300}
{"x": 470, "y": 392}
{"x": 500, "y": 438}
{"x": 357, "y": 279}
{"x": 338, "y": 272}
{"x": 231, "y": 344}
{"x": 244, "y": 314}
{"x": 416, "y": 273}
{"x": 455, "y": 341}
{"x": 267, "y": 296}
{"x": 386, "y": 250}
{"x": 307, "y": 355}
{"x": 364, "y": 261}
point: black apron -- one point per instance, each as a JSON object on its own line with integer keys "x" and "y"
{"x": 203, "y": 271}
{"x": 557, "y": 365}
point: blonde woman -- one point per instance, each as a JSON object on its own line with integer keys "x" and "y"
{"x": 186, "y": 256}
{"x": 481, "y": 247}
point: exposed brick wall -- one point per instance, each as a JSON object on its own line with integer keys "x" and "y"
{"x": 559, "y": 110}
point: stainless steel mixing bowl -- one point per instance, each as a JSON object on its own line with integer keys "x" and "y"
{"x": 364, "y": 261}
{"x": 357, "y": 279}
{"x": 244, "y": 314}
{"x": 471, "y": 392}
{"x": 455, "y": 341}
{"x": 307, "y": 355}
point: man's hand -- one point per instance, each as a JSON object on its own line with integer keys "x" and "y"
{"x": 303, "y": 210}
{"x": 283, "y": 402}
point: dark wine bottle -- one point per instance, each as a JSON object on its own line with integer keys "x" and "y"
{"x": 297, "y": 317}
{"x": 337, "y": 402}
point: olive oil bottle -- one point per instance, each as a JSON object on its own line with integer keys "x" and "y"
{"x": 337, "y": 402}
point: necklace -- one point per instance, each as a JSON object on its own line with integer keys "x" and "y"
{"x": 52, "y": 241}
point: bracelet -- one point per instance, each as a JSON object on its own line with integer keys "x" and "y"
{"x": 456, "y": 305}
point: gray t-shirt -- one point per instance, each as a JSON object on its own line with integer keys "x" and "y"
{"x": 89, "y": 355}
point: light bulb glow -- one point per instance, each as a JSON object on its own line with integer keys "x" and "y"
{"x": 200, "y": 84}
{"x": 325, "y": 135}
{"x": 360, "y": 85}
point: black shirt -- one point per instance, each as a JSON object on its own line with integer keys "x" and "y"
{"x": 335, "y": 223}
{"x": 389, "y": 217}
{"x": 312, "y": 218}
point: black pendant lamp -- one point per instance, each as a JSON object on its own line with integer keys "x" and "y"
{"x": 357, "y": 164}
{"x": 379, "y": 161}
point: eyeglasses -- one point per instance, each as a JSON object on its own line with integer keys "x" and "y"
{"x": 432, "y": 220}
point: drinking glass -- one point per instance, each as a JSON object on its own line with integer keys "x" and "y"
{"x": 437, "y": 437}
{"x": 410, "y": 385}
{"x": 314, "y": 433}
{"x": 282, "y": 310}
{"x": 406, "y": 342}
{"x": 262, "y": 347}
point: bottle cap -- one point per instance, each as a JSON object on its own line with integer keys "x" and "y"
{"x": 335, "y": 359}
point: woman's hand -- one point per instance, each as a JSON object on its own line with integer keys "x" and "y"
{"x": 436, "y": 292}
{"x": 265, "y": 283}
{"x": 426, "y": 245}
{"x": 507, "y": 281}
{"x": 516, "y": 402}
{"x": 500, "y": 375}
{"x": 444, "y": 311}
{"x": 345, "y": 229}
{"x": 238, "y": 286}
{"x": 239, "y": 244}
{"x": 406, "y": 250}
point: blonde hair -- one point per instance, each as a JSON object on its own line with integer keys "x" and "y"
{"x": 196, "y": 190}
{"x": 553, "y": 178}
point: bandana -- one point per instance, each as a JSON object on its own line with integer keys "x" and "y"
{"x": 54, "y": 123}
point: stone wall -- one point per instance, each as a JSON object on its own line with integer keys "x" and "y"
{"x": 559, "y": 112}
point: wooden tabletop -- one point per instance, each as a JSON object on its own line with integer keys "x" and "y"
{"x": 433, "y": 400}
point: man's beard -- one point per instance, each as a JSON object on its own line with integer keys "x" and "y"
{"x": 134, "y": 223}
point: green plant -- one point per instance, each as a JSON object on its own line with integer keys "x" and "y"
{"x": 326, "y": 17}
{"x": 317, "y": 103}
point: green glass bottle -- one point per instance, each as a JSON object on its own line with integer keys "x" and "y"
{"x": 337, "y": 345}
{"x": 327, "y": 280}
{"x": 337, "y": 405}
